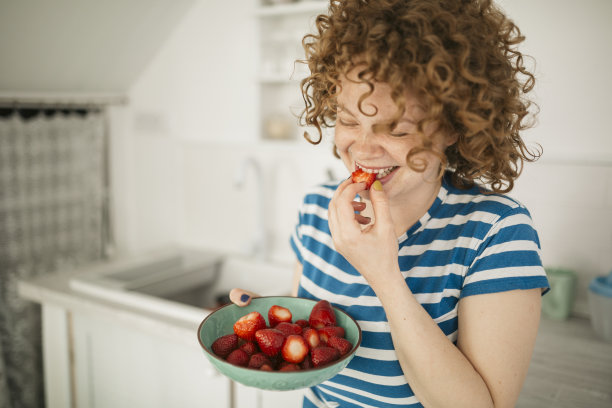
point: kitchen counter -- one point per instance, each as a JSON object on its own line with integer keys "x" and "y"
{"x": 571, "y": 368}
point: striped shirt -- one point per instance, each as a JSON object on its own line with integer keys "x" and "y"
{"x": 467, "y": 243}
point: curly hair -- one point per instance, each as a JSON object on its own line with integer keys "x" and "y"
{"x": 458, "y": 57}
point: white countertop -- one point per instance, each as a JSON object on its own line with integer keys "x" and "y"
{"x": 55, "y": 289}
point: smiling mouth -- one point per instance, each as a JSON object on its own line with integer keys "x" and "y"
{"x": 380, "y": 173}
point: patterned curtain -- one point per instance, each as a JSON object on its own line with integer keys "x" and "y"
{"x": 53, "y": 216}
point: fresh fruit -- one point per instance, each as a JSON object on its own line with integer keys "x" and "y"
{"x": 249, "y": 347}
{"x": 322, "y": 315}
{"x": 238, "y": 357}
{"x": 302, "y": 323}
{"x": 225, "y": 345}
{"x": 323, "y": 355}
{"x": 294, "y": 349}
{"x": 360, "y": 176}
{"x": 259, "y": 359}
{"x": 247, "y": 325}
{"x": 329, "y": 331}
{"x": 270, "y": 341}
{"x": 289, "y": 328}
{"x": 285, "y": 366}
{"x": 340, "y": 344}
{"x": 277, "y": 314}
{"x": 287, "y": 346}
{"x": 312, "y": 337}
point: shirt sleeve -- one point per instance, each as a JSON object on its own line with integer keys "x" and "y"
{"x": 296, "y": 237}
{"x": 508, "y": 258}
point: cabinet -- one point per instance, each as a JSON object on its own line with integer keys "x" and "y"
{"x": 117, "y": 366}
{"x": 281, "y": 29}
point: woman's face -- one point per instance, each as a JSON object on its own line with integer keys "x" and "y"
{"x": 363, "y": 144}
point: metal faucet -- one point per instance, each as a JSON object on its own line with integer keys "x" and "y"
{"x": 259, "y": 245}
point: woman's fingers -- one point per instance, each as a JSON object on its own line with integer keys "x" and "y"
{"x": 241, "y": 297}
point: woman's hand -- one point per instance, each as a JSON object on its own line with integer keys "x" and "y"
{"x": 241, "y": 297}
{"x": 371, "y": 249}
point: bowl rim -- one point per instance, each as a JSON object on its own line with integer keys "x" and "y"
{"x": 347, "y": 355}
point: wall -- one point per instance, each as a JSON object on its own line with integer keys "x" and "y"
{"x": 193, "y": 112}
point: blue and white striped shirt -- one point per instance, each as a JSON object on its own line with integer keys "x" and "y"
{"x": 468, "y": 243}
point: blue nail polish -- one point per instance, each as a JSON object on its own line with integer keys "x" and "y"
{"x": 244, "y": 297}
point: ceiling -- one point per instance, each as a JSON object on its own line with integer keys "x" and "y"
{"x": 81, "y": 47}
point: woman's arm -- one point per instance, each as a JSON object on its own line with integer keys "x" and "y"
{"x": 297, "y": 274}
{"x": 496, "y": 331}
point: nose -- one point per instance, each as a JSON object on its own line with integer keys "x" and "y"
{"x": 366, "y": 145}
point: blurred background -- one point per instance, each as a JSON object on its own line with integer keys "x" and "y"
{"x": 128, "y": 126}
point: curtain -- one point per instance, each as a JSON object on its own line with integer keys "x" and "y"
{"x": 53, "y": 216}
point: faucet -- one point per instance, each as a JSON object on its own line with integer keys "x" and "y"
{"x": 259, "y": 245}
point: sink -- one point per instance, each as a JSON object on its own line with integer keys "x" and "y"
{"x": 180, "y": 283}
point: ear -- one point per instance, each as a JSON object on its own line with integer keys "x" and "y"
{"x": 451, "y": 139}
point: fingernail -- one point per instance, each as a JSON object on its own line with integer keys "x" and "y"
{"x": 244, "y": 297}
{"x": 377, "y": 185}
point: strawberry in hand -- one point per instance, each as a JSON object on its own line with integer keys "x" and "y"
{"x": 360, "y": 176}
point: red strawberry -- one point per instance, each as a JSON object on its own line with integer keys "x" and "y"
{"x": 323, "y": 355}
{"x": 266, "y": 367}
{"x": 329, "y": 331}
{"x": 294, "y": 349}
{"x": 340, "y": 344}
{"x": 302, "y": 323}
{"x": 225, "y": 345}
{"x": 270, "y": 341}
{"x": 277, "y": 314}
{"x": 247, "y": 325}
{"x": 312, "y": 337}
{"x": 249, "y": 347}
{"x": 259, "y": 359}
{"x": 289, "y": 328}
{"x": 322, "y": 315}
{"x": 306, "y": 364}
{"x": 360, "y": 176}
{"x": 285, "y": 366}
{"x": 238, "y": 357}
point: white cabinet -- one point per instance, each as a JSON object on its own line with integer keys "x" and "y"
{"x": 117, "y": 366}
{"x": 281, "y": 28}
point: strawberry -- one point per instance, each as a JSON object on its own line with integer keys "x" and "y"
{"x": 323, "y": 355}
{"x": 249, "y": 347}
{"x": 306, "y": 364}
{"x": 225, "y": 345}
{"x": 322, "y": 315}
{"x": 302, "y": 323}
{"x": 247, "y": 325}
{"x": 294, "y": 349}
{"x": 340, "y": 344}
{"x": 259, "y": 359}
{"x": 270, "y": 341}
{"x": 266, "y": 367}
{"x": 238, "y": 357}
{"x": 289, "y": 328}
{"x": 277, "y": 314}
{"x": 312, "y": 337}
{"x": 285, "y": 366}
{"x": 360, "y": 176}
{"x": 329, "y": 331}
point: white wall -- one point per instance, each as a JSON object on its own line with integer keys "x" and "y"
{"x": 193, "y": 113}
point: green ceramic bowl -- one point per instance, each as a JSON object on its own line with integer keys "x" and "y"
{"x": 221, "y": 322}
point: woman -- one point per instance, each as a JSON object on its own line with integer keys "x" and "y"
{"x": 441, "y": 269}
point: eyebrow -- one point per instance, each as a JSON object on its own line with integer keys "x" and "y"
{"x": 402, "y": 119}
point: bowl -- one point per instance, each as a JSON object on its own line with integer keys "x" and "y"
{"x": 221, "y": 322}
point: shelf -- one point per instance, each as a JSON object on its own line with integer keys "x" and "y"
{"x": 299, "y": 7}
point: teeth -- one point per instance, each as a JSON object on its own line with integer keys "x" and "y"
{"x": 380, "y": 173}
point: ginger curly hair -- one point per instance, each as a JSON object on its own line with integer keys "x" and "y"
{"x": 458, "y": 56}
